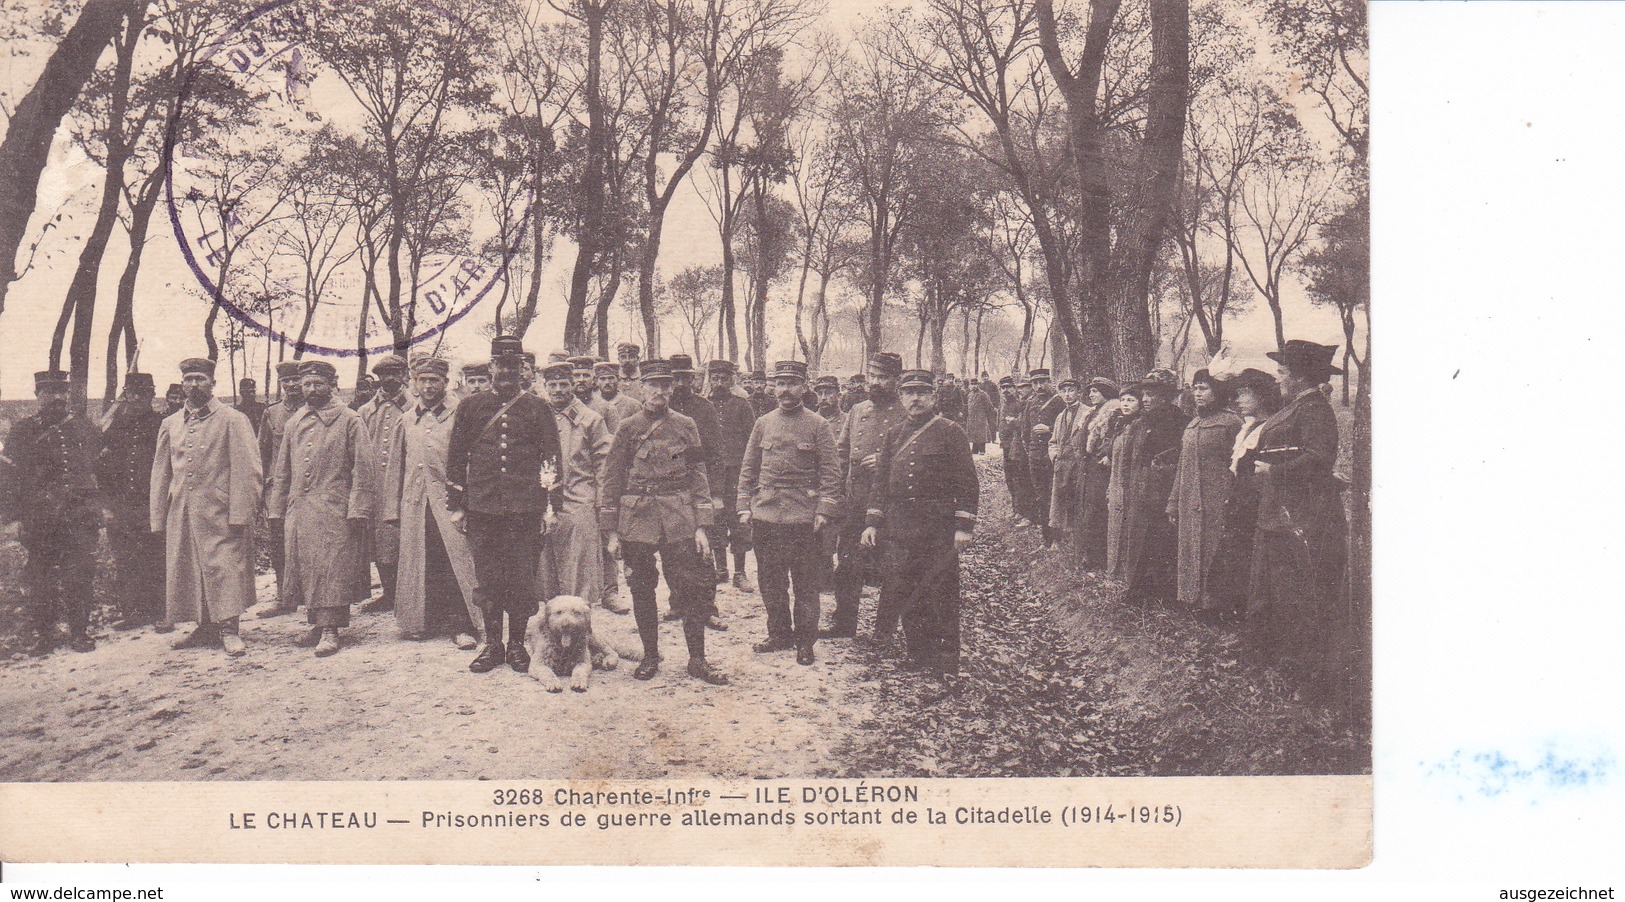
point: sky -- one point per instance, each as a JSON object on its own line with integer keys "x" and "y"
{"x": 172, "y": 305}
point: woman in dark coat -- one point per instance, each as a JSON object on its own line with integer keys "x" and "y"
{"x": 1225, "y": 590}
{"x": 1202, "y": 484}
{"x": 1150, "y": 543}
{"x": 1296, "y": 598}
{"x": 1102, "y": 426}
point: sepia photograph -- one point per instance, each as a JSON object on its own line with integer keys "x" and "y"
{"x": 688, "y": 393}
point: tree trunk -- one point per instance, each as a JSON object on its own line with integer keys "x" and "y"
{"x": 590, "y": 235}
{"x": 123, "y": 328}
{"x": 727, "y": 317}
{"x": 28, "y": 139}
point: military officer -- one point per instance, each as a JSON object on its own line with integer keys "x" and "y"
{"x": 382, "y": 418}
{"x": 688, "y": 402}
{"x": 858, "y": 449}
{"x": 656, "y": 503}
{"x": 272, "y": 425}
{"x": 124, "y": 473}
{"x": 925, "y": 508}
{"x": 55, "y": 454}
{"x": 502, "y": 470}
{"x": 789, "y": 489}
{"x": 735, "y": 418}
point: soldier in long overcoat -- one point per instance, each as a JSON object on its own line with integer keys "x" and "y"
{"x": 434, "y": 591}
{"x": 381, "y": 418}
{"x": 657, "y": 503}
{"x": 1066, "y": 443}
{"x": 205, "y": 494}
{"x": 1202, "y": 485}
{"x": 924, "y": 507}
{"x": 54, "y": 451}
{"x": 272, "y": 425}
{"x": 1296, "y": 598}
{"x": 857, "y": 449}
{"x": 1101, "y": 429}
{"x": 325, "y": 490}
{"x": 980, "y": 425}
{"x": 124, "y": 473}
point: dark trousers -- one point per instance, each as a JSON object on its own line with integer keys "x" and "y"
{"x": 1015, "y": 479}
{"x": 279, "y": 554}
{"x": 507, "y": 548}
{"x": 61, "y": 566}
{"x": 978, "y": 447}
{"x": 851, "y": 562}
{"x": 692, "y": 583}
{"x": 1040, "y": 477}
{"x": 728, "y": 535}
{"x": 443, "y": 609}
{"x": 139, "y": 554}
{"x": 925, "y": 590}
{"x": 786, "y": 554}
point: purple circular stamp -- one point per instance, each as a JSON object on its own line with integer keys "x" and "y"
{"x": 327, "y": 185}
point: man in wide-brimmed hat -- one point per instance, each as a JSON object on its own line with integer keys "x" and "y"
{"x": 205, "y": 494}
{"x": 60, "y": 509}
{"x": 325, "y": 490}
{"x": 789, "y": 490}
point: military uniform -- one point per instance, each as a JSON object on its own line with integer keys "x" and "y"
{"x": 689, "y": 403}
{"x": 735, "y": 419}
{"x": 788, "y": 479}
{"x": 382, "y": 418}
{"x": 863, "y": 434}
{"x": 656, "y": 498}
{"x": 926, "y": 492}
{"x": 124, "y": 473}
{"x": 271, "y": 427}
{"x": 58, "y": 504}
{"x": 1041, "y": 410}
{"x": 501, "y": 470}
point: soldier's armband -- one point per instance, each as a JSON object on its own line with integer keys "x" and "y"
{"x": 875, "y": 517}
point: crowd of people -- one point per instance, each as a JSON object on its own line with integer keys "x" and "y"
{"x": 476, "y": 503}
{"x": 1218, "y": 498}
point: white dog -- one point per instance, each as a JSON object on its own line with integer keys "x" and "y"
{"x": 562, "y": 643}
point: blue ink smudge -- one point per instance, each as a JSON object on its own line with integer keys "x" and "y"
{"x": 1493, "y": 774}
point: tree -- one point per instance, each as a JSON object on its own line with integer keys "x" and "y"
{"x": 694, "y": 292}
{"x": 887, "y": 115}
{"x": 824, "y": 218}
{"x": 944, "y": 246}
{"x": 417, "y": 72}
{"x": 1282, "y": 201}
{"x": 318, "y": 235}
{"x": 34, "y": 123}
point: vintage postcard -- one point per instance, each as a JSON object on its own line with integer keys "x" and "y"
{"x": 711, "y": 432}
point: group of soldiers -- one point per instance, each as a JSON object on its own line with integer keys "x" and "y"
{"x": 527, "y": 483}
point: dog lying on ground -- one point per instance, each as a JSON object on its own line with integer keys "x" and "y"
{"x": 562, "y": 643}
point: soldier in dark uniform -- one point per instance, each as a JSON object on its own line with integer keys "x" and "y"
{"x": 124, "y": 473}
{"x": 174, "y": 398}
{"x": 55, "y": 453}
{"x": 789, "y": 489}
{"x": 1038, "y": 419}
{"x": 925, "y": 510}
{"x": 366, "y": 388}
{"x": 858, "y": 450}
{"x": 1015, "y": 473}
{"x": 756, "y": 386}
{"x": 271, "y": 427}
{"x": 852, "y": 394}
{"x": 383, "y": 416}
{"x": 502, "y": 471}
{"x": 951, "y": 399}
{"x": 248, "y": 400}
{"x": 735, "y": 418}
{"x": 828, "y": 390}
{"x": 686, "y": 401}
{"x": 830, "y": 407}
{"x": 656, "y": 502}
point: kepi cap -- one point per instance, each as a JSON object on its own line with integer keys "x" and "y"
{"x": 790, "y": 369}
{"x": 917, "y": 379}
